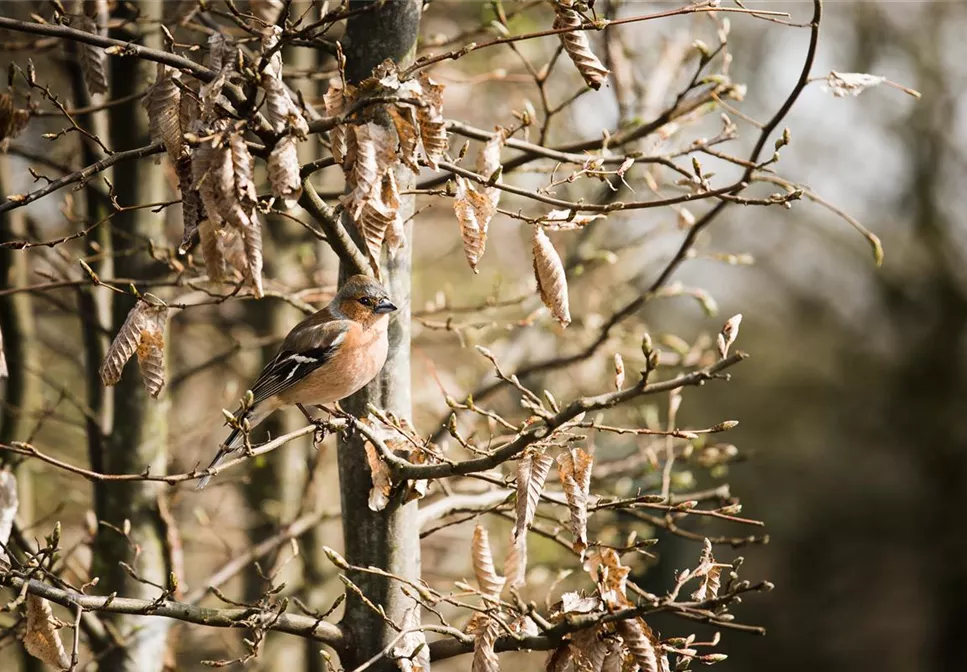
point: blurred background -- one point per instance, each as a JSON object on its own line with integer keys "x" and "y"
{"x": 852, "y": 439}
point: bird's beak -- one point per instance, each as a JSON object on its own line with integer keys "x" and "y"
{"x": 384, "y": 306}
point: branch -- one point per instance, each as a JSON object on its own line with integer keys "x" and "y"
{"x": 402, "y": 469}
{"x": 337, "y": 236}
{"x": 125, "y": 48}
{"x": 247, "y": 617}
{"x": 15, "y": 201}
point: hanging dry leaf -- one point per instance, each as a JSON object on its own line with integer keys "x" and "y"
{"x": 4, "y": 371}
{"x": 233, "y": 191}
{"x": 711, "y": 573}
{"x": 411, "y": 652}
{"x": 142, "y": 333}
{"x": 221, "y": 59}
{"x": 590, "y": 647}
{"x": 474, "y": 210}
{"x": 577, "y": 45}
{"x": 375, "y": 154}
{"x": 515, "y": 564}
{"x": 483, "y": 564}
{"x": 192, "y": 209}
{"x": 551, "y": 280}
{"x": 283, "y": 167}
{"x": 574, "y": 466}
{"x": 92, "y": 59}
{"x": 484, "y": 656}
{"x": 337, "y": 101}
{"x": 163, "y": 105}
{"x": 282, "y": 113}
{"x": 488, "y": 163}
{"x": 8, "y": 509}
{"x": 40, "y": 636}
{"x": 560, "y": 659}
{"x": 379, "y": 216}
{"x": 12, "y": 120}
{"x": 532, "y": 470}
{"x": 728, "y": 334}
{"x": 407, "y": 132}
{"x": 611, "y": 577}
{"x": 382, "y": 481}
{"x": 642, "y": 644}
{"x": 433, "y": 128}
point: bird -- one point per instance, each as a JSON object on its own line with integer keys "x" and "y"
{"x": 328, "y": 356}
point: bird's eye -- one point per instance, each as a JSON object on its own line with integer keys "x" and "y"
{"x": 366, "y": 301}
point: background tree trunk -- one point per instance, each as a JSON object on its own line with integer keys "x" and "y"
{"x": 388, "y": 539}
{"x": 139, "y": 435}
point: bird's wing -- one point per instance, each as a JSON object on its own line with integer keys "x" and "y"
{"x": 308, "y": 346}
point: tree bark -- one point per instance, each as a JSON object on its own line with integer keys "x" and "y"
{"x": 140, "y": 431}
{"x": 388, "y": 539}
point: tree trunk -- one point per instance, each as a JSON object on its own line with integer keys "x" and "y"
{"x": 140, "y": 432}
{"x": 388, "y": 539}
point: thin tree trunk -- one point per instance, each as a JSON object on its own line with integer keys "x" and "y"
{"x": 388, "y": 539}
{"x": 140, "y": 433}
{"x": 21, "y": 389}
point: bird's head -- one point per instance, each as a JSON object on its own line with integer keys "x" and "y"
{"x": 363, "y": 299}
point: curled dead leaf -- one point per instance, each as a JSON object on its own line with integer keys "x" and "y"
{"x": 488, "y": 580}
{"x": 551, "y": 280}
{"x": 433, "y": 127}
{"x": 642, "y": 645}
{"x": 40, "y": 637}
{"x": 12, "y": 119}
{"x": 574, "y": 466}
{"x": 474, "y": 210}
{"x": 382, "y": 481}
{"x": 577, "y": 45}
{"x": 283, "y": 168}
{"x": 142, "y": 333}
{"x": 92, "y": 59}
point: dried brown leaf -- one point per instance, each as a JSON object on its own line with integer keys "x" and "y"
{"x": 574, "y": 466}
{"x": 141, "y": 333}
{"x": 590, "y": 647}
{"x": 433, "y": 127}
{"x": 611, "y": 577}
{"x": 483, "y": 564}
{"x": 532, "y": 470}
{"x": 484, "y": 656}
{"x": 382, "y": 481}
{"x": 163, "y": 105}
{"x": 282, "y": 113}
{"x": 642, "y": 644}
{"x": 710, "y": 572}
{"x": 488, "y": 164}
{"x": 379, "y": 216}
{"x": 407, "y": 132}
{"x": 515, "y": 564}
{"x": 221, "y": 59}
{"x": 559, "y": 660}
{"x": 92, "y": 59}
{"x": 40, "y": 636}
{"x": 551, "y": 280}
{"x": 577, "y": 45}
{"x": 375, "y": 154}
{"x": 474, "y": 210}
{"x": 192, "y": 209}
{"x": 283, "y": 167}
{"x": 568, "y": 220}
{"x": 337, "y": 99}
{"x": 12, "y": 119}
{"x": 411, "y": 652}
{"x": 8, "y": 509}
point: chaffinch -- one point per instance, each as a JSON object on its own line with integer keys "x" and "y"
{"x": 325, "y": 358}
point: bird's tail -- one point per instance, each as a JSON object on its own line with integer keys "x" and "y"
{"x": 234, "y": 439}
